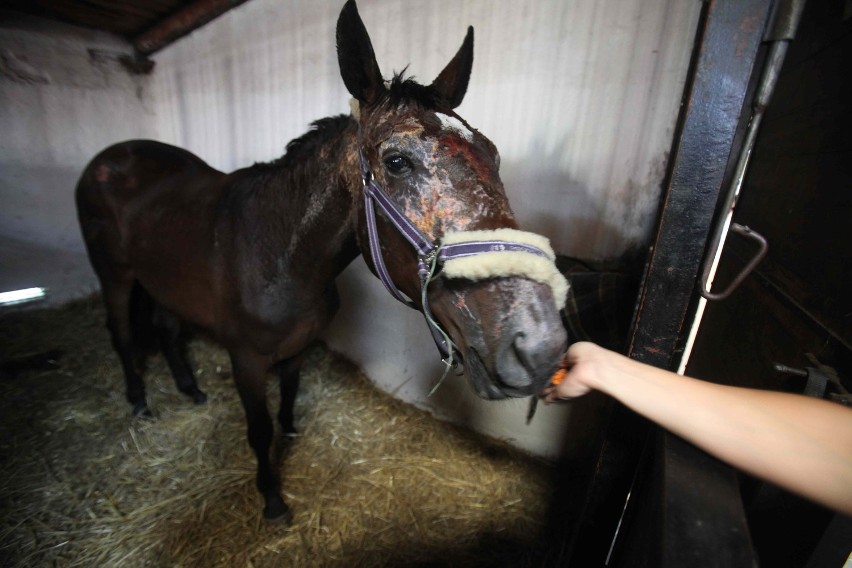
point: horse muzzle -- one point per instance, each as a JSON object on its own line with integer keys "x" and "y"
{"x": 508, "y": 330}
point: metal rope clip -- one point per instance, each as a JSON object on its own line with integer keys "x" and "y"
{"x": 425, "y": 263}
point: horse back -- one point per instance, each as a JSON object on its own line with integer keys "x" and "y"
{"x": 137, "y": 171}
{"x": 147, "y": 210}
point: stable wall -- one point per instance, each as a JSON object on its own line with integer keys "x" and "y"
{"x": 580, "y": 98}
{"x": 63, "y": 97}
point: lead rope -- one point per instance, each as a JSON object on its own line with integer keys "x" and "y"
{"x": 449, "y": 362}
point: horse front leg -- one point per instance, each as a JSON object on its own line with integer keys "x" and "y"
{"x": 288, "y": 382}
{"x": 249, "y": 372}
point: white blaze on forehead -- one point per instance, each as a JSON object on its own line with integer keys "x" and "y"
{"x": 452, "y": 123}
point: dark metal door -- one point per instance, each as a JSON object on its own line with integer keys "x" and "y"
{"x": 642, "y": 497}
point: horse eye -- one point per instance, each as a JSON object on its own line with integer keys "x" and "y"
{"x": 397, "y": 164}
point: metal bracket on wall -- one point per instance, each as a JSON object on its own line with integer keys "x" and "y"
{"x": 822, "y": 381}
{"x": 762, "y": 248}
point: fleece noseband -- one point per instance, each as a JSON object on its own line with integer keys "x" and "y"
{"x": 473, "y": 255}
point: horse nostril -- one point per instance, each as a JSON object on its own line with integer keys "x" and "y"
{"x": 520, "y": 346}
{"x": 512, "y": 370}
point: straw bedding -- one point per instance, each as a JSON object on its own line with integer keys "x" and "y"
{"x": 372, "y": 481}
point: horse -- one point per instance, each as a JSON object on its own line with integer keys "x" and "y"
{"x": 250, "y": 257}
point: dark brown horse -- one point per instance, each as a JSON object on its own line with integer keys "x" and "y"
{"x": 251, "y": 257}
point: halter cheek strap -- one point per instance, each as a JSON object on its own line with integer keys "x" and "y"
{"x": 426, "y": 251}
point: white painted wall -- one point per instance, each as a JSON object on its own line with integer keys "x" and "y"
{"x": 63, "y": 98}
{"x": 580, "y": 97}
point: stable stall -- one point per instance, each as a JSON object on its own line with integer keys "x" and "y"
{"x": 620, "y": 128}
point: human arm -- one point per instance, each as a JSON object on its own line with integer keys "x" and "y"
{"x": 799, "y": 443}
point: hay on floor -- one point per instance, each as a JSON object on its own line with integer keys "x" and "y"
{"x": 372, "y": 481}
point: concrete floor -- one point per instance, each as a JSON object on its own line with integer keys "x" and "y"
{"x": 67, "y": 275}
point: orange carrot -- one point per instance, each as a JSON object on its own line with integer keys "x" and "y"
{"x": 558, "y": 376}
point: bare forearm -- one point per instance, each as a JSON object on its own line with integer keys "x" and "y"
{"x": 802, "y": 444}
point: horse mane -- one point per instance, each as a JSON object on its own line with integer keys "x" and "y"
{"x": 401, "y": 90}
{"x": 319, "y": 133}
{"x": 291, "y": 165}
{"x": 405, "y": 90}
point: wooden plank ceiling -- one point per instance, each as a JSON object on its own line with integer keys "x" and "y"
{"x": 127, "y": 18}
{"x": 149, "y": 25}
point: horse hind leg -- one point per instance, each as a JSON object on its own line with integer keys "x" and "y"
{"x": 117, "y": 280}
{"x": 117, "y": 293}
{"x": 173, "y": 345}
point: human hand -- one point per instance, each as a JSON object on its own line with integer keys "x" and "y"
{"x": 582, "y": 363}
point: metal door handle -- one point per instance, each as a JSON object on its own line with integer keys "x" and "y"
{"x": 763, "y": 247}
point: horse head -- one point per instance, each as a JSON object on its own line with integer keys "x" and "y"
{"x": 500, "y": 309}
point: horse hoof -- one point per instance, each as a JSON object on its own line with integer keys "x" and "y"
{"x": 278, "y": 513}
{"x": 141, "y": 410}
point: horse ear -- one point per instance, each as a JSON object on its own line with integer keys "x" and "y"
{"x": 452, "y": 82}
{"x": 358, "y": 65}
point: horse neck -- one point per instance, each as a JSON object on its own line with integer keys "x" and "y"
{"x": 305, "y": 208}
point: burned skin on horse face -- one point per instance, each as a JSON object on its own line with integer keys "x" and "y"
{"x": 452, "y": 184}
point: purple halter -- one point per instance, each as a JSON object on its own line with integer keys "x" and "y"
{"x": 429, "y": 253}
